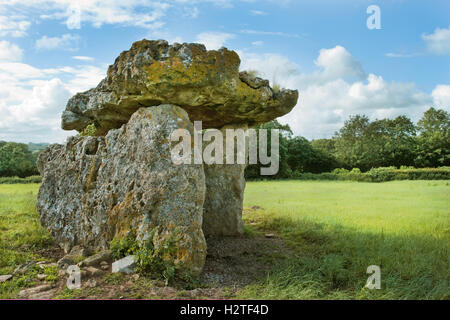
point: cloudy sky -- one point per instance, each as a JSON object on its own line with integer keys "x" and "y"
{"x": 51, "y": 49}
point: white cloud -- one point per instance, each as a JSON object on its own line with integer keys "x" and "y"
{"x": 258, "y": 13}
{"x": 338, "y": 89}
{"x": 400, "y": 55}
{"x": 441, "y": 96}
{"x": 438, "y": 42}
{"x": 43, "y": 103}
{"x": 214, "y": 40}
{"x": 191, "y": 12}
{"x": 274, "y": 67}
{"x": 21, "y": 71}
{"x": 83, "y": 58}
{"x": 139, "y": 13}
{"x": 257, "y": 43}
{"x": 66, "y": 41}
{"x": 270, "y": 33}
{"x": 14, "y": 25}
{"x": 84, "y": 77}
{"x": 10, "y": 51}
{"x": 37, "y": 117}
{"x": 32, "y": 99}
{"x": 338, "y": 62}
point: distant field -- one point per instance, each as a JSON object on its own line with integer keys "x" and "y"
{"x": 333, "y": 231}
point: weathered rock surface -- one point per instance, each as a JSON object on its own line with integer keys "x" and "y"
{"x": 96, "y": 259}
{"x": 225, "y": 184}
{"x": 94, "y": 272}
{"x": 125, "y": 265}
{"x": 24, "y": 268}
{"x": 207, "y": 84}
{"x": 98, "y": 188}
{"x": 35, "y": 290}
{"x": 5, "y": 277}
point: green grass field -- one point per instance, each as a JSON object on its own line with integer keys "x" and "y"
{"x": 333, "y": 231}
{"x": 338, "y": 229}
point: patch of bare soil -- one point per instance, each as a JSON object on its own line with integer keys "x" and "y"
{"x": 52, "y": 253}
{"x": 235, "y": 262}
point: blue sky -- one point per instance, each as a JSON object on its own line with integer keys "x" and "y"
{"x": 51, "y": 49}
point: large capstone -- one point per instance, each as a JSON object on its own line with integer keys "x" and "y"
{"x": 97, "y": 188}
{"x": 207, "y": 84}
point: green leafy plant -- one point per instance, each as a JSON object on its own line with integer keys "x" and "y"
{"x": 253, "y": 73}
{"x": 122, "y": 247}
{"x": 151, "y": 260}
{"x": 89, "y": 131}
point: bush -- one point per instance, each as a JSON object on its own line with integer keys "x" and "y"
{"x": 17, "y": 180}
{"x": 377, "y": 174}
{"x": 153, "y": 261}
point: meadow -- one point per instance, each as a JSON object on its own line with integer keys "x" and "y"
{"x": 340, "y": 228}
{"x": 332, "y": 231}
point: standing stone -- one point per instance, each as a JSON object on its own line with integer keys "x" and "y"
{"x": 98, "y": 188}
{"x": 225, "y": 184}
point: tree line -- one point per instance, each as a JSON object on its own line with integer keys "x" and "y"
{"x": 19, "y": 159}
{"x": 365, "y": 144}
{"x": 360, "y": 143}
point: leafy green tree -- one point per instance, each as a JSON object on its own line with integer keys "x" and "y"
{"x": 16, "y": 160}
{"x": 352, "y": 149}
{"x": 391, "y": 142}
{"x": 433, "y": 142}
{"x": 325, "y": 155}
{"x": 324, "y": 145}
{"x": 300, "y": 154}
{"x": 303, "y": 157}
{"x": 253, "y": 171}
{"x": 387, "y": 142}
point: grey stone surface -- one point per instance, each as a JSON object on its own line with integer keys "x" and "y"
{"x": 125, "y": 265}
{"x": 96, "y": 259}
{"x": 225, "y": 184}
{"x": 33, "y": 291}
{"x": 207, "y": 84}
{"x": 98, "y": 188}
{"x": 5, "y": 277}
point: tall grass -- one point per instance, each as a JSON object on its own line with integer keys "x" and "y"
{"x": 333, "y": 229}
{"x": 338, "y": 229}
{"x": 17, "y": 180}
{"x": 21, "y": 234}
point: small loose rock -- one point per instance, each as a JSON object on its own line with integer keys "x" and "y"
{"x": 91, "y": 283}
{"x": 94, "y": 272}
{"x": 32, "y": 291}
{"x": 96, "y": 259}
{"x": 5, "y": 278}
{"x": 125, "y": 265}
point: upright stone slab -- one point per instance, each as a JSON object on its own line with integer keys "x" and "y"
{"x": 98, "y": 188}
{"x": 225, "y": 184}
